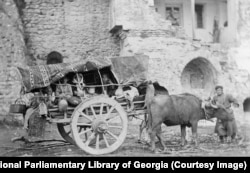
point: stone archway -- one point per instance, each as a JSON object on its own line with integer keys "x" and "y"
{"x": 246, "y": 105}
{"x": 198, "y": 74}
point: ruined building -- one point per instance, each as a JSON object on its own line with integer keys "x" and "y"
{"x": 192, "y": 44}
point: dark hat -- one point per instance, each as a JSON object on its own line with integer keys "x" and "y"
{"x": 218, "y": 86}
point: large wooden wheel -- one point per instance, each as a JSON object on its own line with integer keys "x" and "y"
{"x": 99, "y": 125}
{"x": 65, "y": 131}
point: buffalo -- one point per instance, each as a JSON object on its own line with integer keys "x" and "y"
{"x": 183, "y": 109}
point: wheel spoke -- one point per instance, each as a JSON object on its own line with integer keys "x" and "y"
{"x": 85, "y": 131}
{"x": 109, "y": 112}
{"x": 101, "y": 109}
{"x": 97, "y": 141}
{"x": 79, "y": 129}
{"x": 112, "y": 118}
{"x": 92, "y": 136}
{"x": 117, "y": 127}
{"x": 92, "y": 109}
{"x": 81, "y": 113}
{"x": 68, "y": 132}
{"x": 111, "y": 134}
{"x": 83, "y": 124}
{"x": 105, "y": 140}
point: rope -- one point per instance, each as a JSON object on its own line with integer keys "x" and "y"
{"x": 134, "y": 116}
{"x": 90, "y": 86}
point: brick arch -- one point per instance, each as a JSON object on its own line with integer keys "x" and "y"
{"x": 199, "y": 73}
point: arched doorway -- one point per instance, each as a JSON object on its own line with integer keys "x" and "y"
{"x": 198, "y": 74}
{"x": 246, "y": 105}
{"x": 54, "y": 57}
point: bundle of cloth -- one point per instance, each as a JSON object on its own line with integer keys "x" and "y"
{"x": 127, "y": 92}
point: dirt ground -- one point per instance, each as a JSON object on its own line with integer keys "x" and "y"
{"x": 52, "y": 144}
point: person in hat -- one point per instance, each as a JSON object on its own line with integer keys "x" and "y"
{"x": 225, "y": 128}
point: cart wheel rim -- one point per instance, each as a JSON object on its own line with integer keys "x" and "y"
{"x": 100, "y": 126}
{"x": 65, "y": 132}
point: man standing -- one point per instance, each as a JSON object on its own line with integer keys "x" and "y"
{"x": 226, "y": 126}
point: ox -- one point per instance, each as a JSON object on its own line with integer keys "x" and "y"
{"x": 184, "y": 110}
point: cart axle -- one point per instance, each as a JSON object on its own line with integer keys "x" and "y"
{"x": 100, "y": 126}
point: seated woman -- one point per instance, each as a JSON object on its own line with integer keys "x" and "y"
{"x": 64, "y": 91}
{"x": 108, "y": 90}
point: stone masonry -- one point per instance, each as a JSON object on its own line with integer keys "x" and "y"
{"x": 12, "y": 52}
{"x": 30, "y": 29}
{"x": 76, "y": 29}
{"x": 169, "y": 49}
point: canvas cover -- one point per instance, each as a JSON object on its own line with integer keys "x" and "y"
{"x": 43, "y": 75}
{"x": 131, "y": 69}
{"x": 128, "y": 70}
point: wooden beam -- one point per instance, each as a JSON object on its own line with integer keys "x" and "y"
{"x": 193, "y": 17}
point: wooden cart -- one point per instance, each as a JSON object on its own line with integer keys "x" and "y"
{"x": 98, "y": 125}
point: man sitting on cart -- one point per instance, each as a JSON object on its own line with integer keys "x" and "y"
{"x": 64, "y": 91}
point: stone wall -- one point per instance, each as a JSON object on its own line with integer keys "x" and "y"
{"x": 244, "y": 20}
{"x": 12, "y": 52}
{"x": 170, "y": 52}
{"x": 169, "y": 56}
{"x": 241, "y": 53}
{"x": 30, "y": 29}
{"x": 136, "y": 14}
{"x": 168, "y": 48}
{"x": 76, "y": 29}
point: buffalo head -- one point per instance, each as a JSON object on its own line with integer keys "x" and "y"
{"x": 218, "y": 111}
